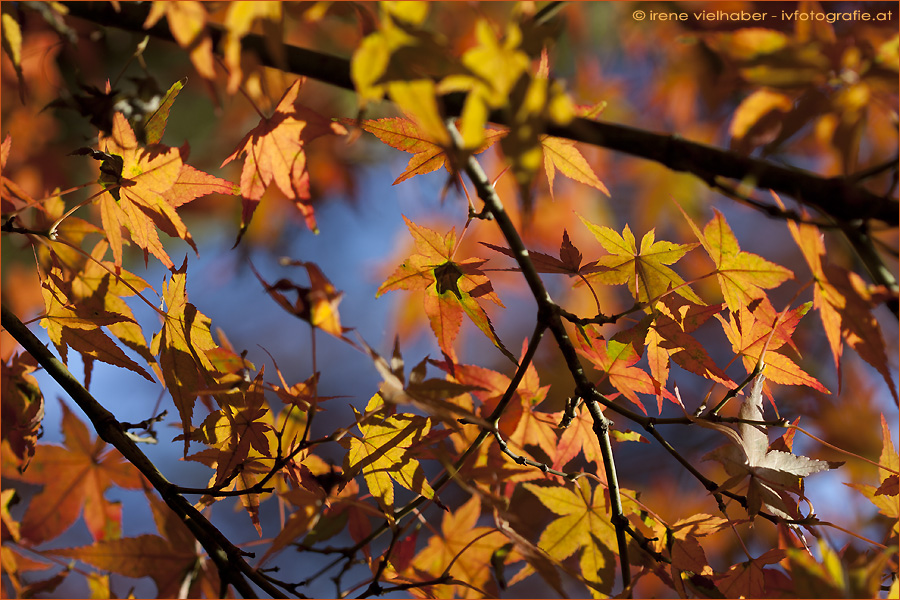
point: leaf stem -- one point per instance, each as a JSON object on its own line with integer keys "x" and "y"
{"x": 842, "y": 451}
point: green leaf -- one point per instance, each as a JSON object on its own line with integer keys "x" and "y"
{"x": 155, "y": 126}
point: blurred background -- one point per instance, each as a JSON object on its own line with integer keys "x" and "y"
{"x": 658, "y": 76}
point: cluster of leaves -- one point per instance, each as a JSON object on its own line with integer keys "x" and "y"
{"x": 541, "y": 494}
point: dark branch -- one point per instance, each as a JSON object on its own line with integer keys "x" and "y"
{"x": 838, "y": 197}
{"x": 227, "y": 557}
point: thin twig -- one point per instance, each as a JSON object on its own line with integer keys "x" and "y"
{"x": 228, "y": 558}
{"x": 549, "y": 314}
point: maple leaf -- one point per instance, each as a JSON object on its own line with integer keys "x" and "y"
{"x": 560, "y": 153}
{"x": 451, "y": 288}
{"x": 317, "y": 305}
{"x": 275, "y": 152}
{"x": 773, "y": 474}
{"x": 583, "y": 523}
{"x": 302, "y": 394}
{"x": 748, "y": 579}
{"x": 568, "y": 263}
{"x": 75, "y": 475}
{"x": 403, "y": 134}
{"x": 245, "y": 476}
{"x": 578, "y": 437}
{"x": 381, "y": 453}
{"x": 143, "y": 187}
{"x": 668, "y": 339}
{"x": 75, "y": 322}
{"x": 756, "y": 330}
{"x": 97, "y": 283}
{"x": 742, "y": 275}
{"x": 299, "y": 523}
{"x": 519, "y": 424}
{"x": 239, "y": 443}
{"x": 175, "y": 560}
{"x": 615, "y": 359}
{"x": 681, "y": 540}
{"x": 235, "y": 429}
{"x": 644, "y": 271}
{"x": 887, "y": 495}
{"x": 22, "y": 409}
{"x": 463, "y": 548}
{"x": 844, "y": 303}
{"x": 181, "y": 347}
{"x": 537, "y": 559}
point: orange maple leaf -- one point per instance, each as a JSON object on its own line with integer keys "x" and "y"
{"x": 748, "y": 579}
{"x": 239, "y": 442}
{"x": 615, "y": 359}
{"x": 464, "y": 549}
{"x": 742, "y": 275}
{"x": 73, "y": 321}
{"x": 562, "y": 154}
{"x": 181, "y": 346}
{"x": 171, "y": 560}
{"x": 275, "y": 152}
{"x": 844, "y": 303}
{"x": 757, "y": 329}
{"x": 96, "y": 280}
{"x": 520, "y": 424}
{"x": 235, "y": 430}
{"x": 75, "y": 475}
{"x": 451, "y": 288}
{"x": 143, "y": 187}
{"x": 403, "y": 134}
{"x": 669, "y": 338}
{"x": 578, "y": 437}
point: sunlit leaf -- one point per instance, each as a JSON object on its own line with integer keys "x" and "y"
{"x": 451, "y": 288}
{"x": 275, "y": 152}
{"x": 643, "y": 270}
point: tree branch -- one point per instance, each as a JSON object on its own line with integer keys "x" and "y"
{"x": 228, "y": 558}
{"x": 549, "y": 316}
{"x": 839, "y": 197}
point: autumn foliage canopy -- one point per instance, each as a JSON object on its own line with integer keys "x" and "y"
{"x": 313, "y": 299}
